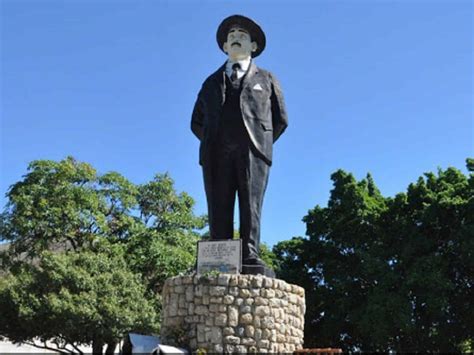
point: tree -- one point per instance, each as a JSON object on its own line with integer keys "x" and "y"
{"x": 166, "y": 245}
{"x": 68, "y": 207}
{"x": 388, "y": 273}
{"x": 267, "y": 255}
{"x": 75, "y": 298}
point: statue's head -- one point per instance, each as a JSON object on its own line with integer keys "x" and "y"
{"x": 239, "y": 44}
{"x": 240, "y": 37}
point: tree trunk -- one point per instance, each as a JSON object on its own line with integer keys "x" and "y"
{"x": 97, "y": 346}
{"x": 110, "y": 348}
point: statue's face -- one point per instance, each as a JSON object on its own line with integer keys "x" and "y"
{"x": 239, "y": 45}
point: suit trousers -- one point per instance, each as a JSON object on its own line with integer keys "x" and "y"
{"x": 233, "y": 170}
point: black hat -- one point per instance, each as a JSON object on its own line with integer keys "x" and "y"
{"x": 256, "y": 33}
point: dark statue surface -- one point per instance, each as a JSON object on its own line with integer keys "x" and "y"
{"x": 237, "y": 121}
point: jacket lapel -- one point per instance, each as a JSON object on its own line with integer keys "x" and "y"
{"x": 250, "y": 73}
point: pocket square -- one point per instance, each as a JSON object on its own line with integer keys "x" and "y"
{"x": 257, "y": 87}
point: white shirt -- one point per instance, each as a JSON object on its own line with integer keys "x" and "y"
{"x": 244, "y": 65}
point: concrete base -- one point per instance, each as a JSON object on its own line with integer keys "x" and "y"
{"x": 258, "y": 269}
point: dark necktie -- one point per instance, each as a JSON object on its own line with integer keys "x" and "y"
{"x": 235, "y": 68}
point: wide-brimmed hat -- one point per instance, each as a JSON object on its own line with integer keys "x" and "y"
{"x": 256, "y": 33}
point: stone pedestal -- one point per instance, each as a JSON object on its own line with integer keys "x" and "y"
{"x": 233, "y": 313}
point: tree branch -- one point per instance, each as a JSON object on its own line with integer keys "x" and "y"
{"x": 58, "y": 344}
{"x": 73, "y": 243}
{"x": 79, "y": 351}
{"x": 113, "y": 203}
{"x": 47, "y": 347}
{"x": 66, "y": 343}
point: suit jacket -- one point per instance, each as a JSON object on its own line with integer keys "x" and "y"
{"x": 262, "y": 107}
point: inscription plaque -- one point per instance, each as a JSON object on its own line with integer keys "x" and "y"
{"x": 219, "y": 255}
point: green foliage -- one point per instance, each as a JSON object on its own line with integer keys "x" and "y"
{"x": 66, "y": 204}
{"x": 54, "y": 201}
{"x": 165, "y": 210}
{"x": 68, "y": 207}
{"x": 470, "y": 164}
{"x": 388, "y": 273}
{"x": 211, "y": 274}
{"x": 166, "y": 244}
{"x": 158, "y": 256}
{"x": 76, "y": 298}
{"x": 267, "y": 255}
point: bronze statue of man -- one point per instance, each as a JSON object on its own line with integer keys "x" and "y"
{"x": 238, "y": 115}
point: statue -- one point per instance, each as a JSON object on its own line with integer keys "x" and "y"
{"x": 238, "y": 115}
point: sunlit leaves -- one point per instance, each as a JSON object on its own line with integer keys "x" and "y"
{"x": 77, "y": 298}
{"x": 388, "y": 273}
{"x": 114, "y": 244}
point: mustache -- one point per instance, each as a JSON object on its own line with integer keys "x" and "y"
{"x": 238, "y": 43}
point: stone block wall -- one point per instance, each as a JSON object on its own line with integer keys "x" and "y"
{"x": 233, "y": 313}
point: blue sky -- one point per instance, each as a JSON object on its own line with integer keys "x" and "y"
{"x": 371, "y": 86}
